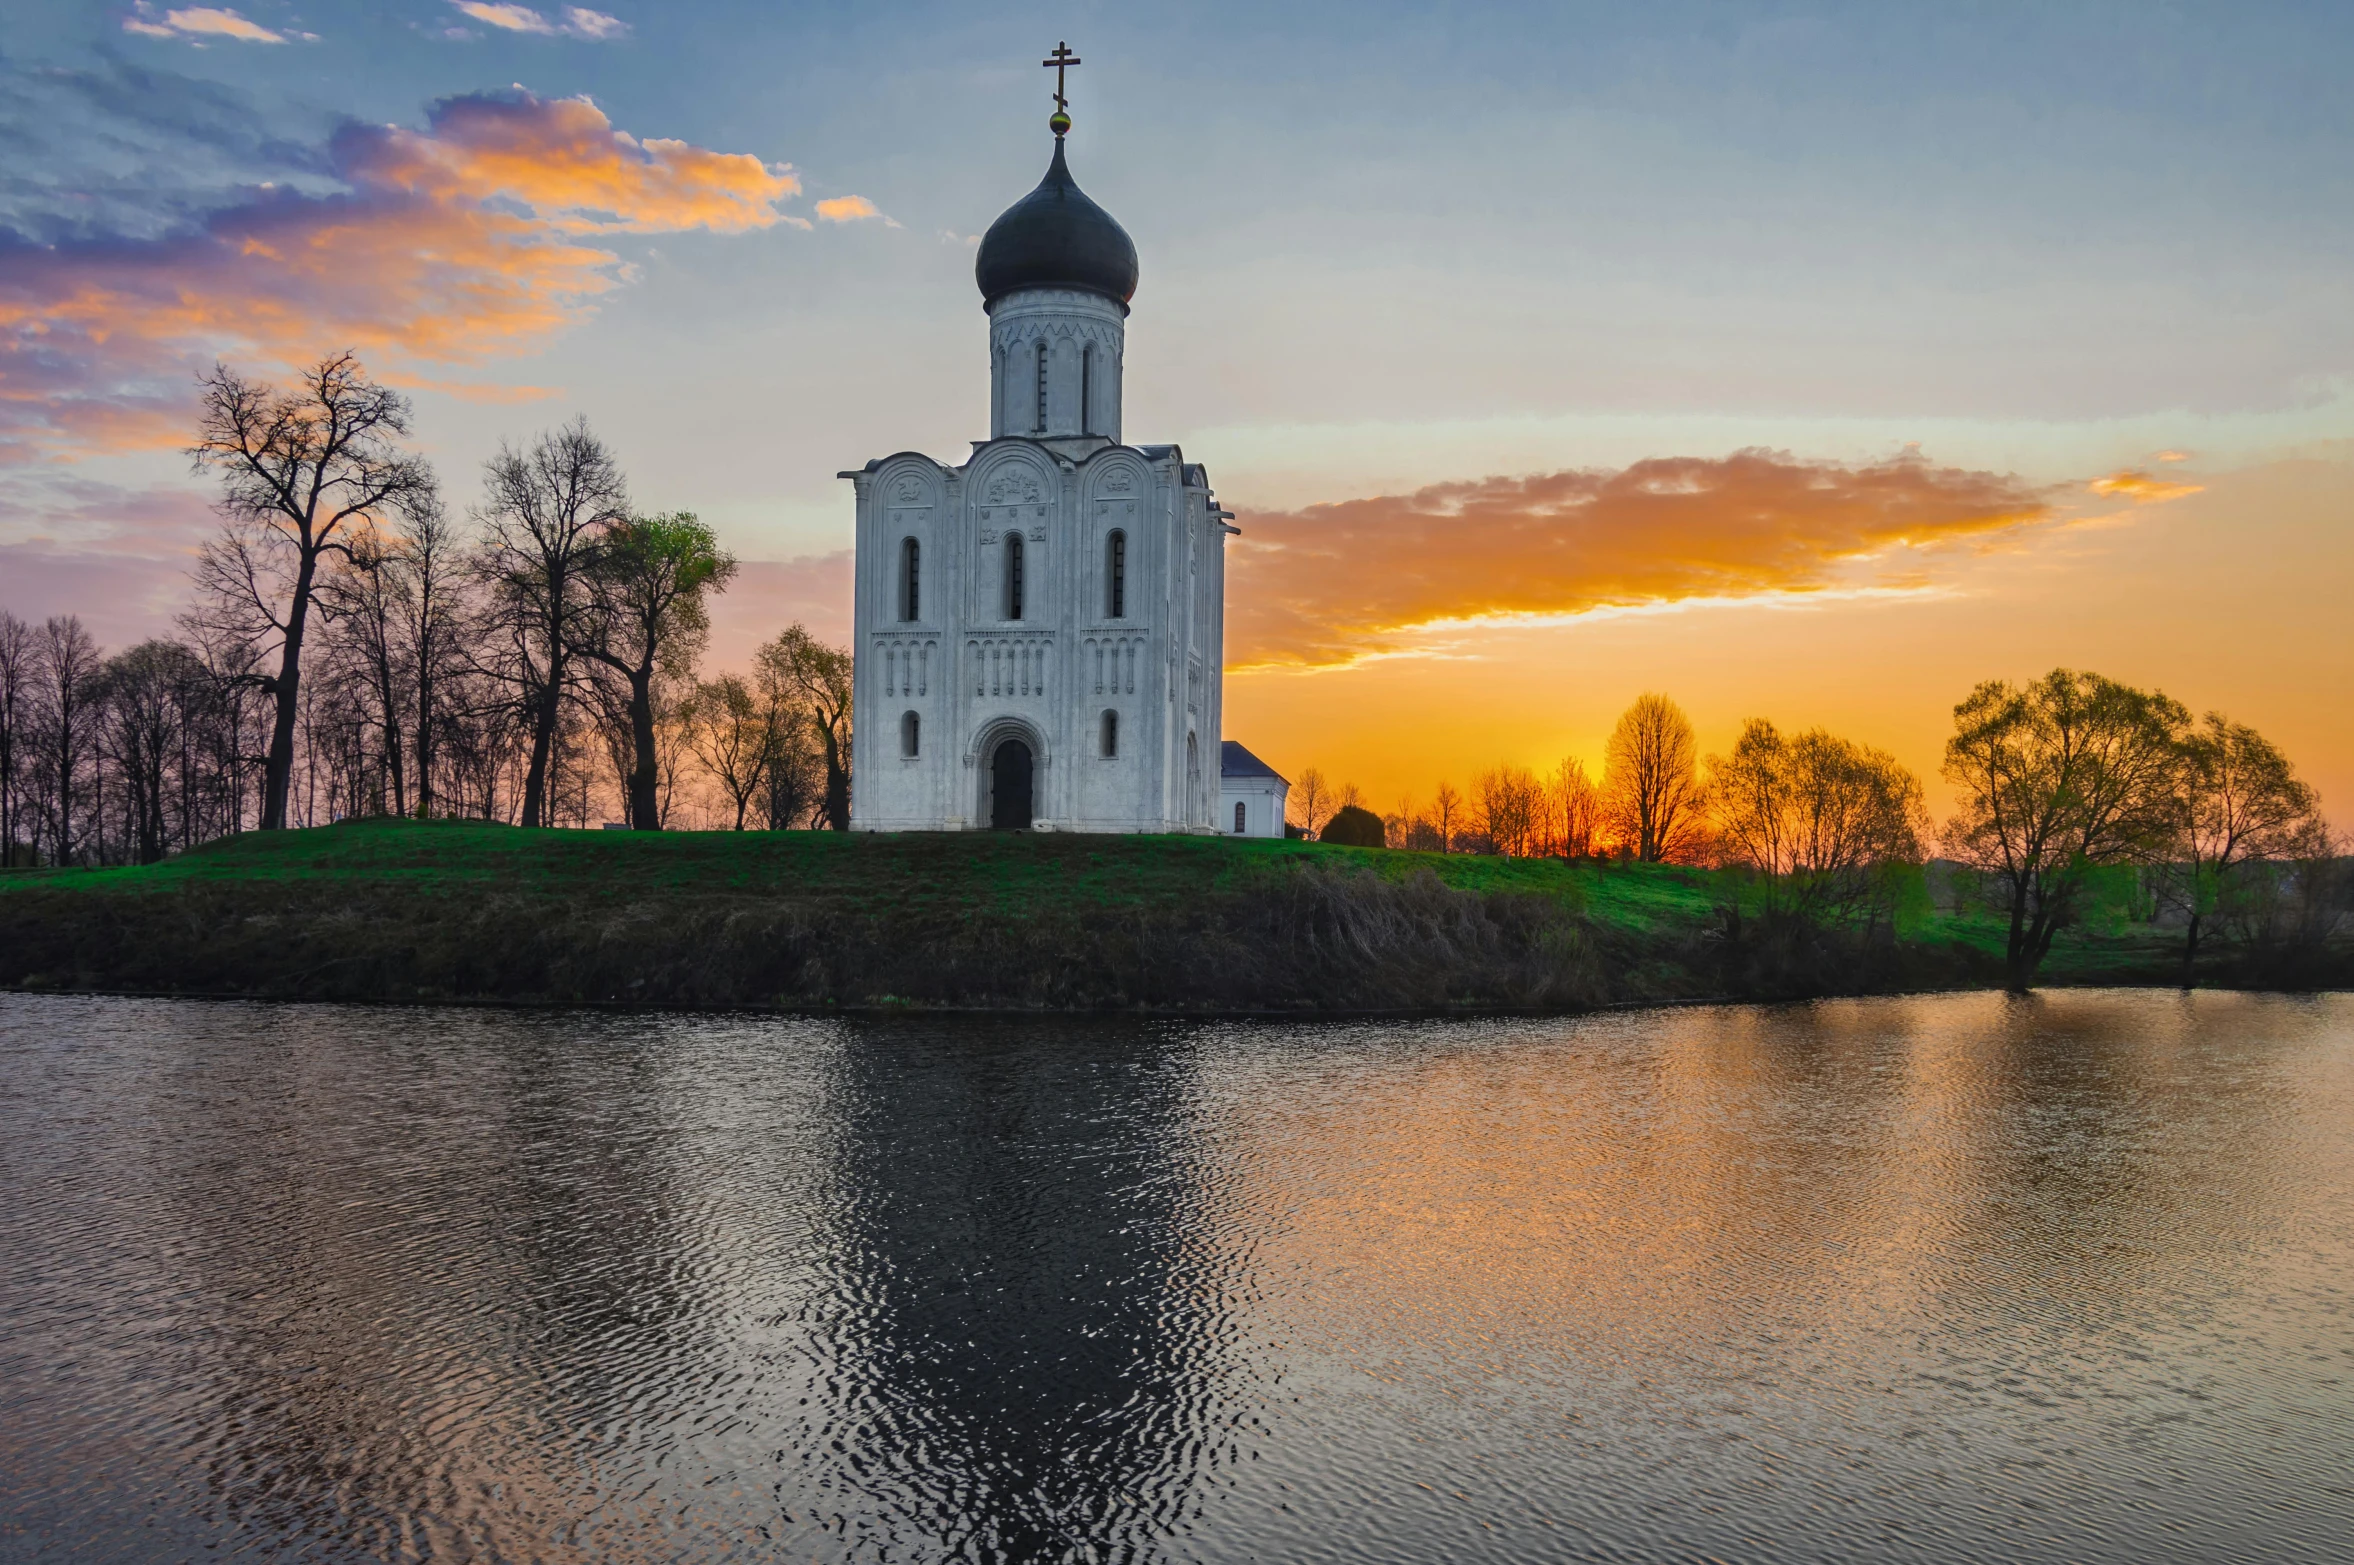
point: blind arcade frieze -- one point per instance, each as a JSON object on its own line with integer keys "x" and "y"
{"x": 1009, "y": 666}
{"x": 906, "y": 663}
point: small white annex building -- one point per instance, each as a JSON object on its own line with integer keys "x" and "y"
{"x": 1251, "y": 794}
{"x": 1040, "y": 628}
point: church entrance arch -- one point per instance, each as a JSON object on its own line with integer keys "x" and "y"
{"x": 1011, "y": 768}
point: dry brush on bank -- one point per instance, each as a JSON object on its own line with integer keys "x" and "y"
{"x": 401, "y": 911}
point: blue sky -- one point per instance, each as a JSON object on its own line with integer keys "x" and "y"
{"x": 1383, "y": 247}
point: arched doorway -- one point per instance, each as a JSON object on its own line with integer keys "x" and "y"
{"x": 1009, "y": 786}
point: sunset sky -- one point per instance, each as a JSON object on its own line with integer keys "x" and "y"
{"x": 1810, "y": 363}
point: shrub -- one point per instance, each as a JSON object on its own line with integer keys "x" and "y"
{"x": 1355, "y": 827}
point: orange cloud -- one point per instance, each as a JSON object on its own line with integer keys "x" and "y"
{"x": 451, "y": 244}
{"x": 847, "y": 209}
{"x": 201, "y": 21}
{"x": 511, "y": 18}
{"x": 1335, "y": 583}
{"x": 578, "y": 21}
{"x": 2141, "y": 488}
{"x": 564, "y": 160}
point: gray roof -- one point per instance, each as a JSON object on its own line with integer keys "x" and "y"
{"x": 1055, "y": 237}
{"x": 1235, "y": 761}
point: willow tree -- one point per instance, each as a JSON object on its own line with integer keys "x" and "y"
{"x": 1821, "y": 819}
{"x": 2055, "y": 779}
{"x": 2237, "y": 801}
{"x": 302, "y": 470}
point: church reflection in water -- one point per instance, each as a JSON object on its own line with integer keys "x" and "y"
{"x": 358, "y": 1284}
{"x": 1029, "y": 1358}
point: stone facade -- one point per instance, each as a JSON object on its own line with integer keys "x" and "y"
{"x": 1047, "y": 616}
{"x": 1251, "y": 794}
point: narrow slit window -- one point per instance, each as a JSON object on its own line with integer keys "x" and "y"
{"x": 1087, "y": 390}
{"x": 1111, "y": 735}
{"x": 910, "y": 580}
{"x": 1116, "y": 575}
{"x": 1041, "y": 390}
{"x": 1013, "y": 576}
{"x": 910, "y": 734}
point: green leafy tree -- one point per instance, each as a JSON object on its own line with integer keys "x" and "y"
{"x": 648, "y": 582}
{"x": 2238, "y": 802}
{"x": 2055, "y": 779}
{"x": 1352, "y": 825}
{"x": 1820, "y": 818}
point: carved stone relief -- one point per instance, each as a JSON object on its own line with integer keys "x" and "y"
{"x": 1017, "y": 484}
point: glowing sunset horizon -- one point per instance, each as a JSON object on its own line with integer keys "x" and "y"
{"x": 1800, "y": 369}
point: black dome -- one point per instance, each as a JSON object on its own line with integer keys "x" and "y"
{"x": 1055, "y": 237}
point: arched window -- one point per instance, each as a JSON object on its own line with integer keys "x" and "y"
{"x": 1087, "y": 389}
{"x": 1115, "y": 576}
{"x": 1041, "y": 393}
{"x": 910, "y": 734}
{"x": 910, "y": 580}
{"x": 1013, "y": 575}
{"x": 1240, "y": 817}
{"x": 1111, "y": 734}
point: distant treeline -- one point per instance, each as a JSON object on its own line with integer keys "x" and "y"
{"x": 350, "y": 649}
{"x": 2060, "y": 783}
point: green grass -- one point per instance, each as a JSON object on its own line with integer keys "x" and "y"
{"x": 459, "y": 908}
{"x": 981, "y": 871}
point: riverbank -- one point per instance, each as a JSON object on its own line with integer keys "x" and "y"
{"x": 464, "y": 911}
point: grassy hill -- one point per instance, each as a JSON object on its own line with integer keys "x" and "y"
{"x": 463, "y": 910}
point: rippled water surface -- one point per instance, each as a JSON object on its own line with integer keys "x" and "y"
{"x": 1927, "y": 1279}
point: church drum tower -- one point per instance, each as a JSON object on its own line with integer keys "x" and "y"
{"x": 1039, "y": 629}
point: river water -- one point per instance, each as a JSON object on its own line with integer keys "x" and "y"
{"x": 1952, "y": 1278}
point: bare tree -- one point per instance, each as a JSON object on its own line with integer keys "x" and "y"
{"x": 732, "y": 732}
{"x": 428, "y": 586}
{"x": 1310, "y": 803}
{"x": 1576, "y": 809}
{"x": 66, "y": 662}
{"x": 2066, "y": 774}
{"x": 363, "y": 591}
{"x": 1651, "y": 780}
{"x": 299, "y": 469}
{"x": 2238, "y": 799}
{"x": 648, "y": 584}
{"x": 1507, "y": 806}
{"x": 813, "y": 679}
{"x": 544, "y": 515}
{"x": 794, "y": 794}
{"x": 232, "y": 741}
{"x": 148, "y": 693}
{"x": 1446, "y": 808}
{"x": 17, "y": 673}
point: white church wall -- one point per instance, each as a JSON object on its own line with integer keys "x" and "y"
{"x": 971, "y": 673}
{"x": 1085, "y": 336}
{"x": 1262, "y": 802}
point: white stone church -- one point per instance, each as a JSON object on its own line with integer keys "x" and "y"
{"x": 1040, "y": 627}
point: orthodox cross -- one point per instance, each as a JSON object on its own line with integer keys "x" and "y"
{"x": 1060, "y": 61}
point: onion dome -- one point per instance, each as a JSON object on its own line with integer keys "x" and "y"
{"x": 1055, "y": 237}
